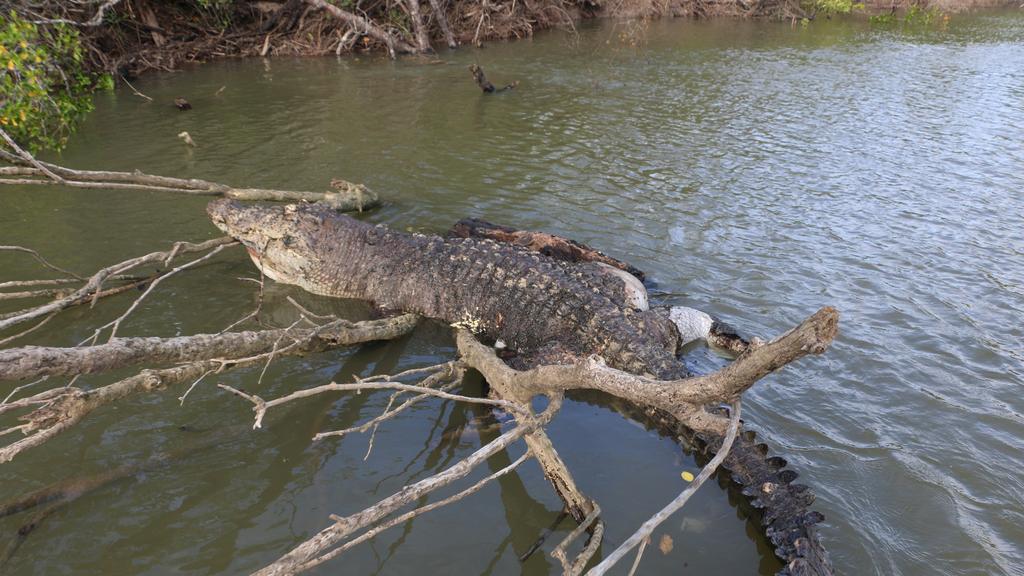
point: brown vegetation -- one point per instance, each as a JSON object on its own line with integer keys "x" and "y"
{"x": 131, "y": 36}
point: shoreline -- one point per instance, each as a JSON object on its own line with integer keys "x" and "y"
{"x": 147, "y": 35}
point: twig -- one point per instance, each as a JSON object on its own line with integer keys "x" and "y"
{"x": 115, "y": 324}
{"x": 181, "y": 399}
{"x": 134, "y": 90}
{"x": 39, "y": 325}
{"x": 261, "y": 406}
{"x": 44, "y": 262}
{"x": 22, "y": 387}
{"x": 44, "y": 282}
{"x": 96, "y": 19}
{"x": 414, "y": 513}
{"x": 29, "y": 158}
{"x": 428, "y": 382}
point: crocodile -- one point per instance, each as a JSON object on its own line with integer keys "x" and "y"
{"x": 546, "y": 309}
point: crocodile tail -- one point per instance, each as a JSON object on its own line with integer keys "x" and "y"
{"x": 787, "y": 520}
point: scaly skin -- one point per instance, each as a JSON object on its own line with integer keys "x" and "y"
{"x": 455, "y": 280}
{"x": 537, "y": 305}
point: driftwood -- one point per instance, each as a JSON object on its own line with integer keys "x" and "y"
{"x": 662, "y": 393}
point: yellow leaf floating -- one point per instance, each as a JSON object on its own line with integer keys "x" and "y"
{"x": 687, "y": 476}
{"x": 665, "y": 544}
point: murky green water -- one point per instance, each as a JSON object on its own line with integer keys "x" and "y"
{"x": 756, "y": 170}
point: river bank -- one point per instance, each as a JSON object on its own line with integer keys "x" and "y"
{"x": 130, "y": 37}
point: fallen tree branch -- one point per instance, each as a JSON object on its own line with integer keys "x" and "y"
{"x": 677, "y": 397}
{"x": 345, "y": 197}
{"x": 62, "y": 408}
{"x": 37, "y": 361}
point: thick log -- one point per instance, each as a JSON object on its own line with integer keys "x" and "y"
{"x": 678, "y": 397}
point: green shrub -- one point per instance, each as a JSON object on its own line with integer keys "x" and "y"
{"x": 44, "y": 87}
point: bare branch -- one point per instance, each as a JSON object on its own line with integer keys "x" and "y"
{"x": 307, "y": 552}
{"x": 115, "y": 324}
{"x": 42, "y": 261}
{"x": 36, "y": 361}
{"x": 451, "y": 379}
{"x": 40, "y": 324}
{"x": 261, "y": 406}
{"x": 366, "y": 27}
{"x": 413, "y": 513}
{"x": 577, "y": 565}
{"x": 96, "y": 19}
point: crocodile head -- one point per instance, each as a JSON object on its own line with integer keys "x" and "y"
{"x": 279, "y": 238}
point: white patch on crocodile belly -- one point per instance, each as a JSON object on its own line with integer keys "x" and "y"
{"x": 692, "y": 324}
{"x": 636, "y": 294}
{"x": 265, "y": 270}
